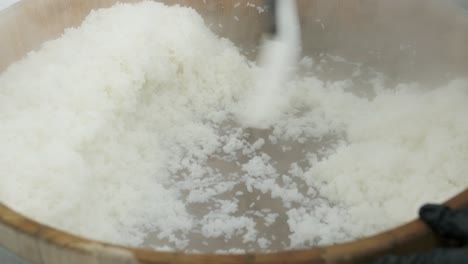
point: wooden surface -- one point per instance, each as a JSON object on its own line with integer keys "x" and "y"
{"x": 409, "y": 39}
{"x": 7, "y": 257}
{"x": 24, "y": 27}
{"x": 42, "y": 244}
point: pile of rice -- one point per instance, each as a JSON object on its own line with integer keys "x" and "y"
{"x": 124, "y": 130}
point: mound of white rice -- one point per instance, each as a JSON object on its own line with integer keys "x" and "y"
{"x": 123, "y": 130}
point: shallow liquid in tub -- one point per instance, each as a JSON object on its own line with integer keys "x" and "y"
{"x": 251, "y": 201}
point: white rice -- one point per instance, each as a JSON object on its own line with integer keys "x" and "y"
{"x": 123, "y": 130}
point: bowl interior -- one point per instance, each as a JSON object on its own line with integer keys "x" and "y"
{"x": 422, "y": 41}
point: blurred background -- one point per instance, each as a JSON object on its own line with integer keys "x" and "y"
{"x": 6, "y": 3}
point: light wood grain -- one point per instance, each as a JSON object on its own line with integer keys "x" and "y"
{"x": 350, "y": 28}
{"x": 42, "y": 244}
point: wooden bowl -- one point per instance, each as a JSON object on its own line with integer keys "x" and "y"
{"x": 438, "y": 33}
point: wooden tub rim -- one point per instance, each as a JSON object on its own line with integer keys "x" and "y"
{"x": 393, "y": 241}
{"x": 34, "y": 241}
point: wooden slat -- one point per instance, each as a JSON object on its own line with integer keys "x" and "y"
{"x": 363, "y": 23}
